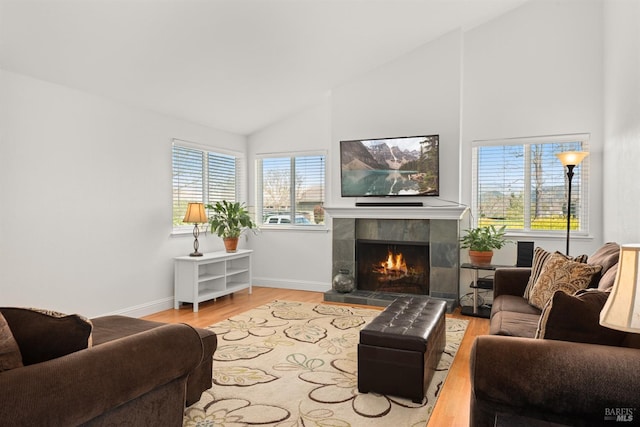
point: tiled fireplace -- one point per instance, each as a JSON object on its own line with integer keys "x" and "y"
{"x": 390, "y": 266}
{"x": 394, "y": 251}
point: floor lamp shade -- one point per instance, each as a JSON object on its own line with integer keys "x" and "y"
{"x": 622, "y": 309}
{"x": 195, "y": 215}
{"x": 573, "y": 158}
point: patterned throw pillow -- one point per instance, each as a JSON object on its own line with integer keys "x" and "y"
{"x": 10, "y": 357}
{"x": 540, "y": 257}
{"x": 561, "y": 274}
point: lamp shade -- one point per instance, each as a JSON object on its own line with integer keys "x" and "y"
{"x": 195, "y": 214}
{"x": 622, "y": 309}
{"x": 572, "y": 157}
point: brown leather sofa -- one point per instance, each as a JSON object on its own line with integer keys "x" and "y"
{"x": 579, "y": 373}
{"x": 112, "y": 370}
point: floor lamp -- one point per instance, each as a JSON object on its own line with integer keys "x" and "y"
{"x": 195, "y": 215}
{"x": 570, "y": 159}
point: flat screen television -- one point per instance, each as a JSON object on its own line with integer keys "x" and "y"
{"x": 389, "y": 167}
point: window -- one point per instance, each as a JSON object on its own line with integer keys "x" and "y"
{"x": 202, "y": 176}
{"x": 521, "y": 183}
{"x": 290, "y": 189}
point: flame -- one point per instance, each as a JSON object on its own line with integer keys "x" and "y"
{"x": 395, "y": 263}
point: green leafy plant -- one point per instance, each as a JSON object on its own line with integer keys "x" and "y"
{"x": 229, "y": 219}
{"x": 485, "y": 238}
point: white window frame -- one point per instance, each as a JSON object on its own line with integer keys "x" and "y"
{"x": 583, "y": 138}
{"x": 240, "y": 179}
{"x": 259, "y": 191}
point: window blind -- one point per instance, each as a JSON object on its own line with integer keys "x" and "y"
{"x": 203, "y": 176}
{"x": 521, "y": 183}
{"x": 309, "y": 174}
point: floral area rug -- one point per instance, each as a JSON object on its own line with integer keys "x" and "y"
{"x": 289, "y": 364}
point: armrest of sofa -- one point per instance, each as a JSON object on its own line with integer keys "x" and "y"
{"x": 80, "y": 386}
{"x": 510, "y": 281}
{"x": 552, "y": 380}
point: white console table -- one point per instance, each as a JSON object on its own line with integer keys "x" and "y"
{"x": 210, "y": 276}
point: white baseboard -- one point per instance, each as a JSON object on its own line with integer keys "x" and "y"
{"x": 152, "y": 307}
{"x": 299, "y": 285}
{"x": 145, "y": 309}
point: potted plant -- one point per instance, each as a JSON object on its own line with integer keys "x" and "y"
{"x": 228, "y": 220}
{"x": 481, "y": 241}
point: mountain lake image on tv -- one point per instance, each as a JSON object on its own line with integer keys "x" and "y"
{"x": 404, "y": 166}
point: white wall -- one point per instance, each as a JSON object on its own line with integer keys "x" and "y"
{"x": 535, "y": 71}
{"x": 622, "y": 121}
{"x": 94, "y": 236}
{"x": 86, "y": 200}
{"x": 418, "y": 94}
{"x": 415, "y": 95}
{"x": 298, "y": 259}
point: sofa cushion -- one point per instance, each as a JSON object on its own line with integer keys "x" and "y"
{"x": 561, "y": 274}
{"x": 10, "y": 357}
{"x": 513, "y": 303}
{"x": 514, "y": 324}
{"x": 606, "y": 256}
{"x": 540, "y": 258}
{"x": 606, "y": 281}
{"x": 576, "y": 318}
{"x": 41, "y": 336}
{"x": 109, "y": 328}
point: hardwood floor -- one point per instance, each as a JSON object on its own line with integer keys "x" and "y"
{"x": 452, "y": 408}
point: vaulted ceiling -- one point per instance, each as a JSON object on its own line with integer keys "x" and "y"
{"x": 235, "y": 65}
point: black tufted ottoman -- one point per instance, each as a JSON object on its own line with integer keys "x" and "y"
{"x": 400, "y": 349}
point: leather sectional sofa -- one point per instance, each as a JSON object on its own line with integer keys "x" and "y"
{"x": 555, "y": 364}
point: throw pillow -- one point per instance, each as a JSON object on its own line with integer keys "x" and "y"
{"x": 43, "y": 337}
{"x": 576, "y": 318}
{"x": 53, "y": 313}
{"x": 561, "y": 274}
{"x": 10, "y": 357}
{"x": 540, "y": 257}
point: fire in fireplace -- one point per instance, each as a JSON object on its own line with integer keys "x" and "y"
{"x": 384, "y": 266}
{"x": 393, "y": 266}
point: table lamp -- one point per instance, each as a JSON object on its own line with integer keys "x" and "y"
{"x": 622, "y": 309}
{"x": 195, "y": 215}
{"x": 570, "y": 159}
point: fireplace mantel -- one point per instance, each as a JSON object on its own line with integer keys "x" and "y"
{"x": 398, "y": 212}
